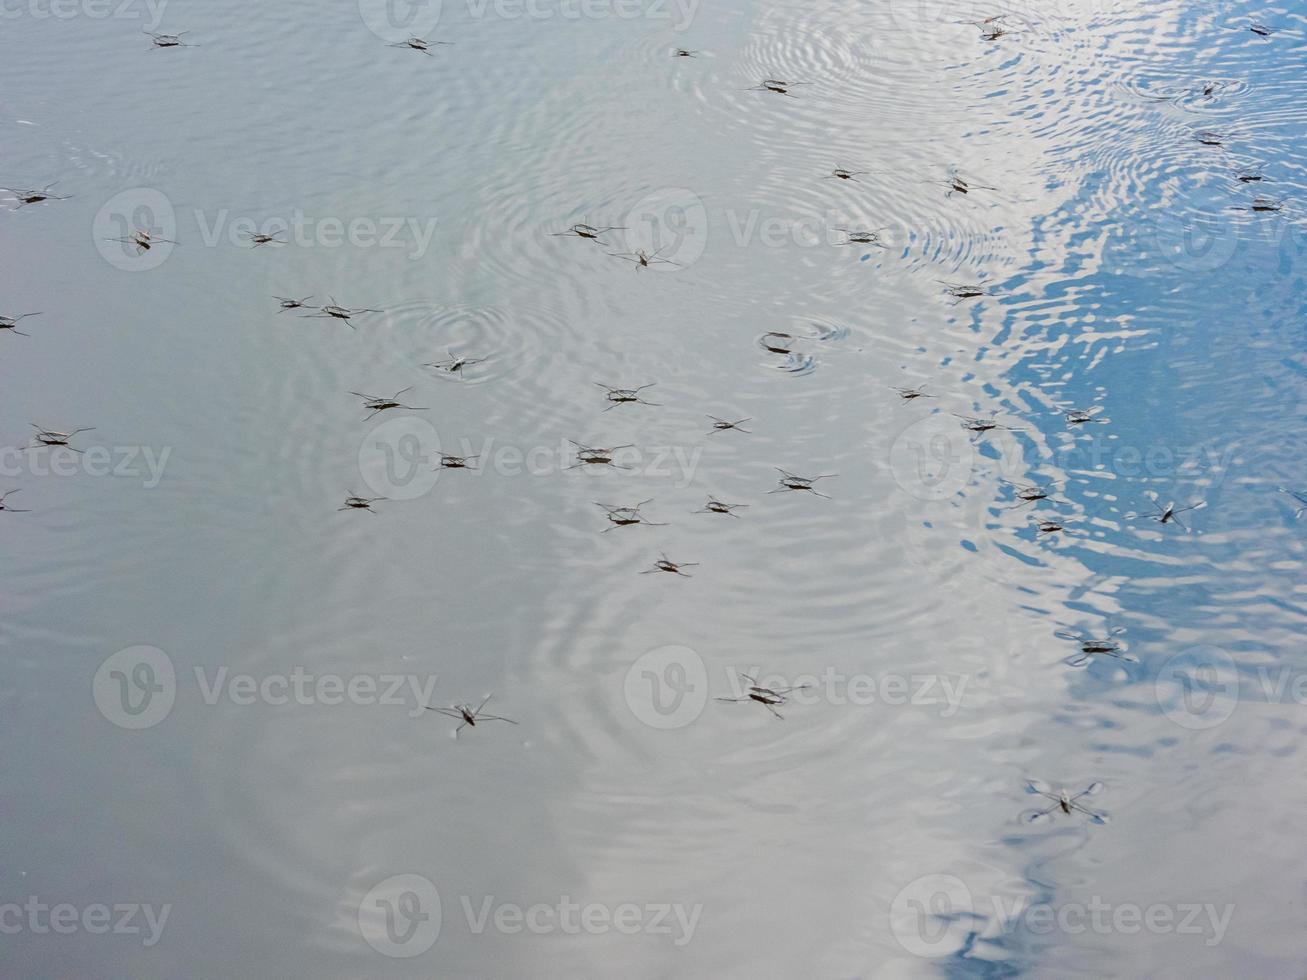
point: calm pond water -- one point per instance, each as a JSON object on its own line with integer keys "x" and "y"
{"x": 217, "y": 756}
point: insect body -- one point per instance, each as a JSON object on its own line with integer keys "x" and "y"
{"x": 455, "y": 363}
{"x": 981, "y": 425}
{"x": 142, "y": 241}
{"x": 768, "y": 697}
{"x": 1168, "y": 514}
{"x": 626, "y": 516}
{"x": 789, "y": 481}
{"x": 1262, "y": 203}
{"x": 169, "y": 40}
{"x": 590, "y": 232}
{"x": 777, "y": 86}
{"x": 52, "y": 437}
{"x": 596, "y": 456}
{"x": 963, "y": 290}
{"x": 447, "y": 462}
{"x": 354, "y": 502}
{"x": 1077, "y": 417}
{"x": 467, "y": 715}
{"x": 912, "y": 394}
{"x": 625, "y": 396}
{"x": 11, "y": 322}
{"x": 682, "y": 53}
{"x": 1029, "y": 493}
{"x": 714, "y": 506}
{"x": 861, "y": 237}
{"x": 288, "y": 303}
{"x": 1096, "y": 646}
{"x": 643, "y": 259}
{"x": 377, "y": 404}
{"x": 338, "y": 312}
{"x": 1064, "y": 801}
{"x": 26, "y": 197}
{"x": 664, "y": 564}
{"x": 721, "y": 425}
{"x": 417, "y": 44}
{"x": 4, "y": 506}
{"x": 258, "y": 239}
{"x": 841, "y": 174}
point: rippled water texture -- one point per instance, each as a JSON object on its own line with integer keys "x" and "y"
{"x": 1044, "y": 222}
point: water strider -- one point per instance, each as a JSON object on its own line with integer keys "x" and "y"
{"x": 769, "y": 697}
{"x": 1076, "y": 416}
{"x": 289, "y": 303}
{"x": 170, "y": 40}
{"x": 376, "y": 403}
{"x": 355, "y": 502}
{"x": 789, "y": 481}
{"x": 626, "y": 516}
{"x": 664, "y": 564}
{"x": 626, "y": 396}
{"x": 28, "y": 196}
{"x": 1168, "y": 514}
{"x": 864, "y": 237}
{"x": 418, "y": 44}
{"x": 597, "y": 456}
{"x": 11, "y": 323}
{"x": 256, "y": 239}
{"x": 715, "y": 506}
{"x": 467, "y": 715}
{"x": 53, "y": 437}
{"x": 454, "y": 363}
{"x": 963, "y": 290}
{"x": 1063, "y": 801}
{"x": 448, "y": 462}
{"x": 335, "y": 311}
{"x": 142, "y": 240}
{"x": 1096, "y": 646}
{"x": 643, "y": 259}
{"x": 1029, "y": 493}
{"x": 588, "y": 232}
{"x": 912, "y": 394}
{"x": 721, "y": 425}
{"x": 5, "y": 507}
{"x": 972, "y": 424}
